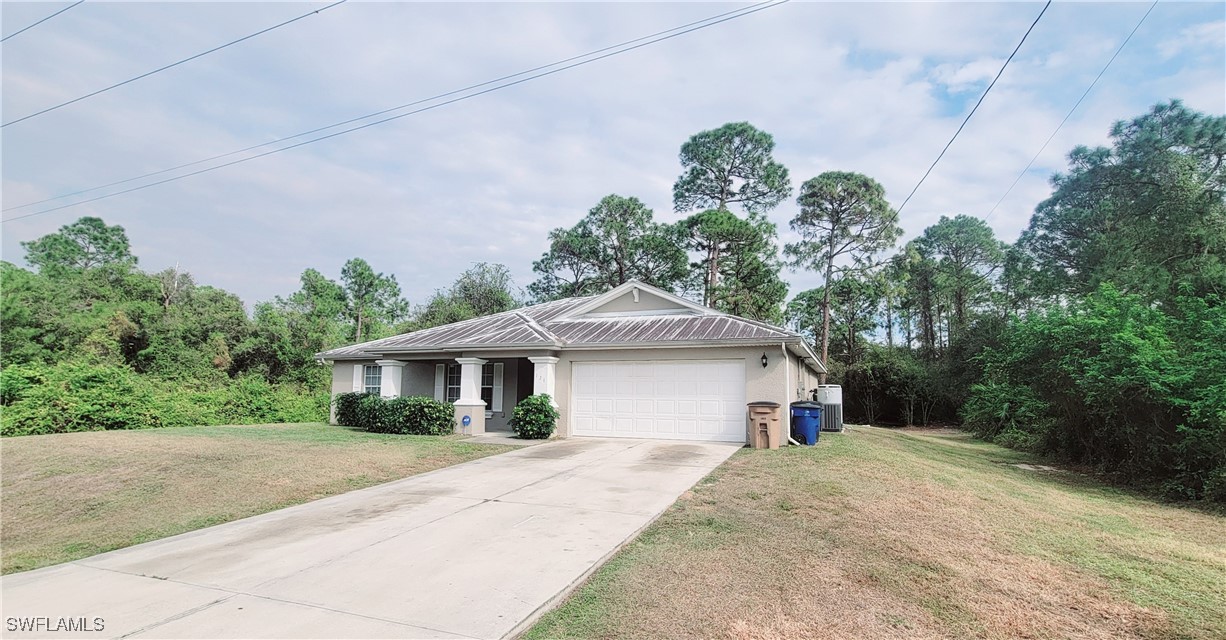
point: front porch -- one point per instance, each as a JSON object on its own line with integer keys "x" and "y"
{"x": 484, "y": 388}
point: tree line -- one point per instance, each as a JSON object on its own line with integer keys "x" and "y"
{"x": 91, "y": 341}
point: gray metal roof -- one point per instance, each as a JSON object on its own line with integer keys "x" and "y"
{"x": 552, "y": 326}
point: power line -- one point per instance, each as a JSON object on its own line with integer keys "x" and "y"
{"x": 1070, "y": 112}
{"x": 749, "y": 10}
{"x": 171, "y": 65}
{"x": 388, "y": 110}
{"x": 976, "y": 107}
{"x": 5, "y": 38}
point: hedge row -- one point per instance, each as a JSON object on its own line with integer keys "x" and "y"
{"x": 414, "y": 415}
{"x": 83, "y": 396}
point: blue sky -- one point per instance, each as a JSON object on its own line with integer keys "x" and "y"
{"x": 876, "y": 88}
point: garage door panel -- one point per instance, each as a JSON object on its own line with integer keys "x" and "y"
{"x": 692, "y": 399}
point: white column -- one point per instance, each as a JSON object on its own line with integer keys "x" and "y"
{"x": 470, "y": 405}
{"x": 391, "y": 373}
{"x": 544, "y": 377}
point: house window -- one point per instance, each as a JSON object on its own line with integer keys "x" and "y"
{"x": 487, "y": 384}
{"x": 372, "y": 378}
{"x": 453, "y": 383}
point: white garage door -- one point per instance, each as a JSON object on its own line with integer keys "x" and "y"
{"x": 671, "y": 399}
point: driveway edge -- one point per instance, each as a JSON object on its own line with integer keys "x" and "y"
{"x": 518, "y": 630}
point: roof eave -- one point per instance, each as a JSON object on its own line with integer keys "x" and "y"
{"x": 366, "y": 355}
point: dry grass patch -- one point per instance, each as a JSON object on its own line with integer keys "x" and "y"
{"x": 884, "y": 534}
{"x": 73, "y": 495}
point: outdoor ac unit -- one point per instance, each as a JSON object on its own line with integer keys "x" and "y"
{"x": 830, "y": 396}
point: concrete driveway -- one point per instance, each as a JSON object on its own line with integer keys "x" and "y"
{"x": 470, "y": 551}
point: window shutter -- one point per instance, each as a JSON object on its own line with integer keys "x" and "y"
{"x": 497, "y": 387}
{"x": 358, "y": 380}
{"x": 440, "y": 382}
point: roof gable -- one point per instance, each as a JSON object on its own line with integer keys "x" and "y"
{"x": 635, "y": 298}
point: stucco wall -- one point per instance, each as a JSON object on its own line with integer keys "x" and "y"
{"x": 418, "y": 379}
{"x": 342, "y": 382}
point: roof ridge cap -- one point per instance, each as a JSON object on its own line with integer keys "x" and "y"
{"x": 536, "y": 327}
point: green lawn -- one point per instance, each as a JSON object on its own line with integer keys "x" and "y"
{"x": 73, "y": 495}
{"x": 882, "y": 533}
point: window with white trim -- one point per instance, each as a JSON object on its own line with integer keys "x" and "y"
{"x": 453, "y": 383}
{"x": 372, "y": 378}
{"x": 487, "y": 385}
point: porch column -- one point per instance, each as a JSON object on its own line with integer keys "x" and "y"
{"x": 544, "y": 376}
{"x": 470, "y": 405}
{"x": 391, "y": 375}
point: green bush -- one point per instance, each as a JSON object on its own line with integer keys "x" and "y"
{"x": 414, "y": 415}
{"x": 370, "y": 413}
{"x": 16, "y": 379}
{"x": 1110, "y": 380}
{"x": 427, "y": 416}
{"x": 347, "y": 408}
{"x": 91, "y": 396}
{"x": 82, "y": 397}
{"x": 996, "y": 408}
{"x": 534, "y": 418}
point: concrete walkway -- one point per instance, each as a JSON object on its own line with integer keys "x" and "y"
{"x": 470, "y": 551}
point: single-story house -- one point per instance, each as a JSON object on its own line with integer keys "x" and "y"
{"x": 634, "y": 362}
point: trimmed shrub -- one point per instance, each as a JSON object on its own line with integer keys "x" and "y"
{"x": 534, "y": 418}
{"x": 347, "y": 408}
{"x": 427, "y": 416}
{"x": 369, "y": 413}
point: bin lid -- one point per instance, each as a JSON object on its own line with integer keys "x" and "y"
{"x": 764, "y": 403}
{"x": 807, "y": 404}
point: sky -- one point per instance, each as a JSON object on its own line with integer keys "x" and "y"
{"x": 876, "y": 88}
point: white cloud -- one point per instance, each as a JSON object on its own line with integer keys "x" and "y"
{"x": 1208, "y": 36}
{"x": 863, "y": 87}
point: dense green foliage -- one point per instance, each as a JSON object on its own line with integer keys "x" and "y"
{"x": 1113, "y": 381}
{"x": 81, "y": 396}
{"x": 91, "y": 342}
{"x": 534, "y": 417}
{"x": 1099, "y": 338}
{"x": 410, "y": 415}
{"x": 482, "y": 290}
{"x": 616, "y": 242}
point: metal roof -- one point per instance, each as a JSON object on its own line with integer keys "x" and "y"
{"x": 552, "y": 325}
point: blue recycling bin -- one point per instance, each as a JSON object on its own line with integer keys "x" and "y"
{"x": 806, "y": 422}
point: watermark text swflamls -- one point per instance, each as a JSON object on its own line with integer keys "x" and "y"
{"x": 54, "y": 624}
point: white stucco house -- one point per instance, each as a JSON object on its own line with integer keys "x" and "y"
{"x": 634, "y": 362}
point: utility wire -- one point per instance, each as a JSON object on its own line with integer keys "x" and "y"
{"x": 384, "y": 111}
{"x": 976, "y": 107}
{"x": 752, "y": 9}
{"x": 1070, "y": 112}
{"x": 173, "y": 64}
{"x": 5, "y": 38}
